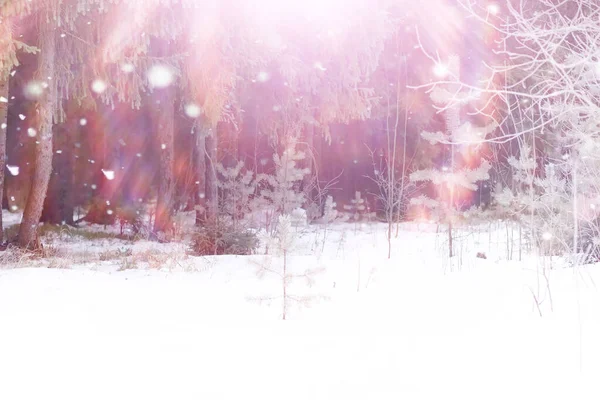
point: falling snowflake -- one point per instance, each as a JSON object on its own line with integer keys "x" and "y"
{"x": 3, "y": 99}
{"x": 58, "y": 151}
{"x": 109, "y": 212}
{"x": 160, "y": 76}
{"x": 127, "y": 68}
{"x": 93, "y": 186}
{"x": 99, "y": 86}
{"x": 12, "y": 198}
{"x": 22, "y": 117}
{"x": 83, "y": 122}
{"x": 14, "y": 208}
{"x": 192, "y": 110}
{"x": 31, "y": 132}
{"x": 163, "y": 146}
{"x": 440, "y": 70}
{"x": 33, "y": 90}
{"x": 547, "y": 236}
{"x": 3, "y": 126}
{"x": 262, "y": 76}
{"x": 13, "y": 72}
{"x": 319, "y": 66}
{"x": 13, "y": 169}
{"x": 493, "y": 9}
{"x": 110, "y": 175}
{"x": 139, "y": 154}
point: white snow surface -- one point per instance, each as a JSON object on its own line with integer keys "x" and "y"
{"x": 406, "y": 328}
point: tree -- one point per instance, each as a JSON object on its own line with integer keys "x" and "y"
{"x": 45, "y": 107}
{"x": 59, "y": 204}
{"x": 548, "y": 69}
{"x": 451, "y": 179}
{"x": 8, "y": 60}
{"x": 281, "y": 190}
{"x": 165, "y": 137}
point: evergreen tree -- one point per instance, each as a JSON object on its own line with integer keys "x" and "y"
{"x": 282, "y": 189}
{"x": 450, "y": 180}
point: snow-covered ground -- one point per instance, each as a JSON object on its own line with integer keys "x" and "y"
{"x": 108, "y": 319}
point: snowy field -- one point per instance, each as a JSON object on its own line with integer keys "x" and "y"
{"x": 110, "y": 319}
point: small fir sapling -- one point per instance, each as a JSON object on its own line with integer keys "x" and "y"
{"x": 237, "y": 189}
{"x": 357, "y": 207}
{"x": 283, "y": 242}
{"x": 281, "y": 190}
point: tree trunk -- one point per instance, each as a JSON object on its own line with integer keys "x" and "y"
{"x": 212, "y": 192}
{"x": 42, "y": 167}
{"x": 307, "y": 181}
{"x": 200, "y": 174}
{"x": 59, "y": 203}
{"x": 166, "y": 186}
{"x": 3, "y": 115}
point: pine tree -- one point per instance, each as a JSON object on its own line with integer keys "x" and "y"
{"x": 330, "y": 213}
{"x": 282, "y": 189}
{"x": 451, "y": 179}
{"x": 237, "y": 187}
{"x": 357, "y": 207}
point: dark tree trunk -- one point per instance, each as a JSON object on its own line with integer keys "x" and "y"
{"x": 42, "y": 167}
{"x": 165, "y": 137}
{"x": 3, "y": 115}
{"x": 200, "y": 174}
{"x": 59, "y": 203}
{"x": 212, "y": 193}
{"x": 309, "y": 161}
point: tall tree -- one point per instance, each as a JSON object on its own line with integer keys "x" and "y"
{"x": 3, "y": 115}
{"x": 45, "y": 107}
{"x": 165, "y": 132}
{"x": 8, "y": 60}
{"x": 59, "y": 204}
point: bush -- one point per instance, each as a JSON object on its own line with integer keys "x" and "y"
{"x": 222, "y": 238}
{"x": 131, "y": 216}
{"x": 100, "y": 212}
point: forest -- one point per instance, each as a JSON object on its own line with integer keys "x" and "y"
{"x": 195, "y": 106}
{"x": 312, "y": 160}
